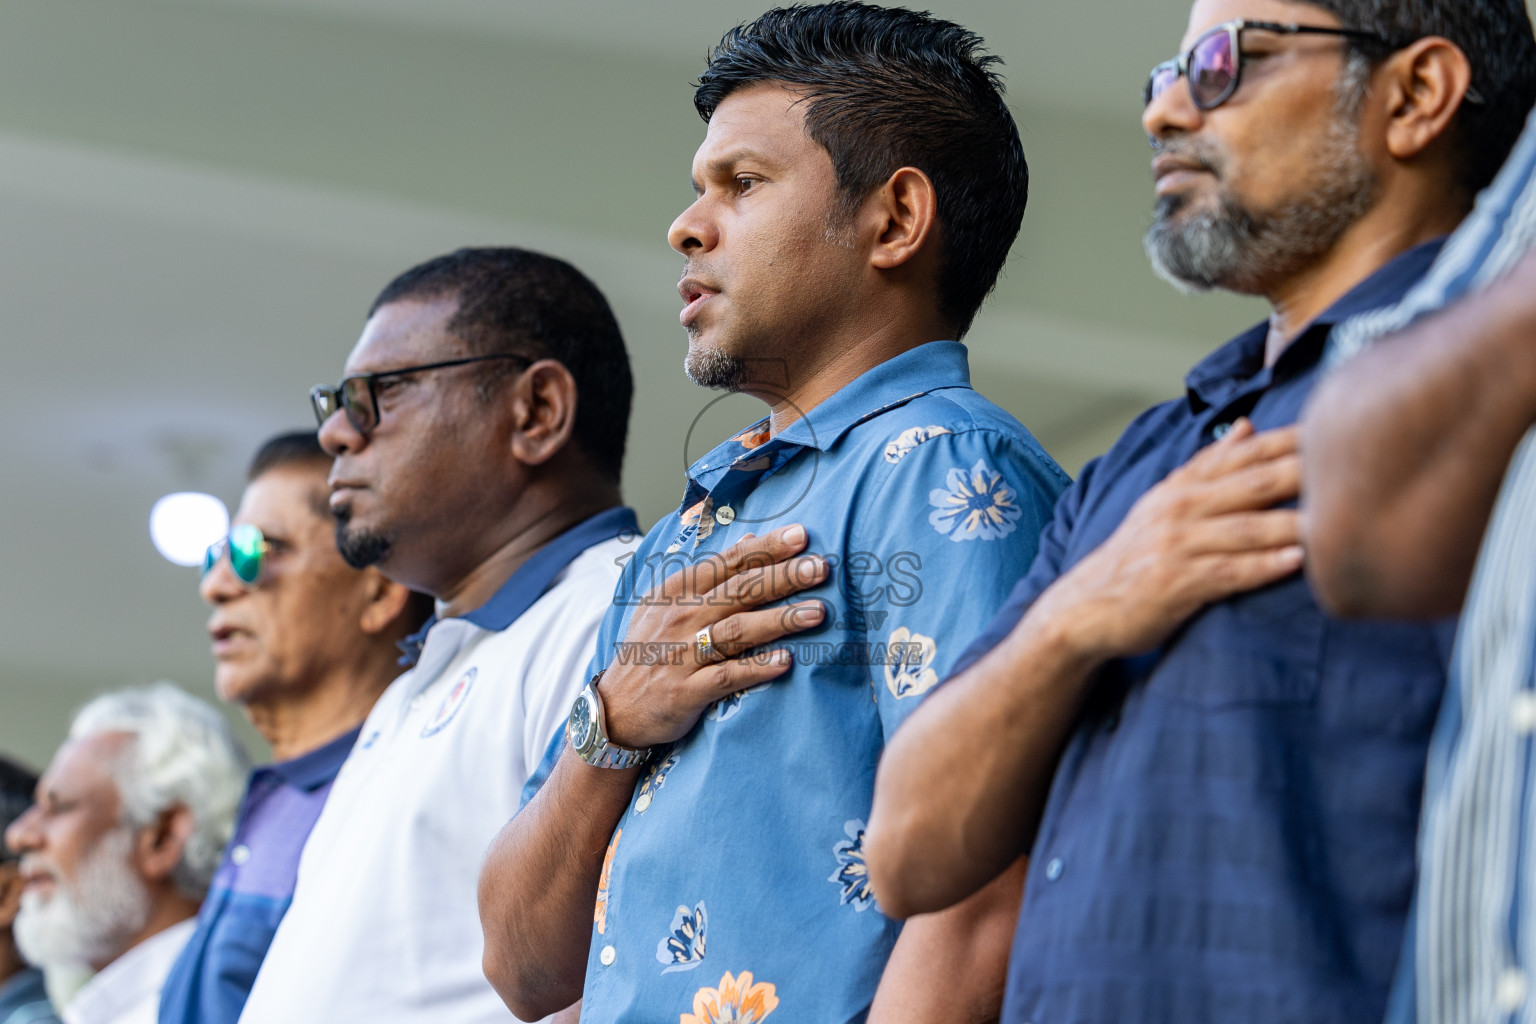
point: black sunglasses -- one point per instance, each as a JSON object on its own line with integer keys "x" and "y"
{"x": 1213, "y": 67}
{"x": 356, "y": 394}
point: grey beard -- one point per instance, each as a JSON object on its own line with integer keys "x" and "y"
{"x": 1248, "y": 251}
{"x": 712, "y": 368}
{"x": 90, "y": 918}
{"x": 359, "y": 548}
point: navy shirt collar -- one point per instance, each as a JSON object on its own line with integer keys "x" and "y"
{"x": 533, "y": 577}
{"x": 312, "y": 770}
{"x": 1215, "y": 378}
{"x": 916, "y": 372}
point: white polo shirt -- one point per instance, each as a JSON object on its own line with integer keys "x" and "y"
{"x": 384, "y": 925}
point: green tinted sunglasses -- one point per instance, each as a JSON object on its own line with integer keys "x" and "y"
{"x": 247, "y": 549}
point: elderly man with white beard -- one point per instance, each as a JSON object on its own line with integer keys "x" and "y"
{"x": 130, "y": 821}
{"x": 23, "y": 999}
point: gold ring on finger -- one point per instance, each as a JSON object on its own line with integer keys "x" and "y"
{"x": 705, "y": 643}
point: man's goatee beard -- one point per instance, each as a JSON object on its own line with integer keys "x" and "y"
{"x": 359, "y": 548}
{"x": 712, "y": 368}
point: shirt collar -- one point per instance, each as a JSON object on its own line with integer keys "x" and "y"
{"x": 132, "y": 981}
{"x": 533, "y": 577}
{"x": 1243, "y": 356}
{"x": 916, "y": 372}
{"x": 312, "y": 770}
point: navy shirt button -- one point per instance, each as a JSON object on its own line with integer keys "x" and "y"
{"x": 1053, "y": 869}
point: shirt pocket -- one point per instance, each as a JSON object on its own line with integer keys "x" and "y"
{"x": 1260, "y": 648}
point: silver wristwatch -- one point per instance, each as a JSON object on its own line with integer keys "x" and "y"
{"x": 588, "y": 733}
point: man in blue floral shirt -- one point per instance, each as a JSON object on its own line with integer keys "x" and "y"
{"x": 695, "y": 852}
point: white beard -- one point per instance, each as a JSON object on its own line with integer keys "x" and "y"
{"x": 91, "y": 919}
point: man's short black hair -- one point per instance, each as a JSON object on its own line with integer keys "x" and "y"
{"x": 1496, "y": 36}
{"x": 526, "y": 303}
{"x": 888, "y": 88}
{"x": 295, "y": 448}
{"x": 298, "y": 446}
{"x": 18, "y": 784}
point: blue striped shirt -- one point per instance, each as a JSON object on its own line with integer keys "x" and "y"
{"x": 23, "y": 1000}
{"x": 1469, "y": 955}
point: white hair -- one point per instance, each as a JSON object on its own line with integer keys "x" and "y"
{"x": 182, "y": 753}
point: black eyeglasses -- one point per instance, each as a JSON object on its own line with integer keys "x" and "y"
{"x": 1213, "y": 67}
{"x": 356, "y": 394}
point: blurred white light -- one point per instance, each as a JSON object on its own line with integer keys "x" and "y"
{"x": 183, "y": 524}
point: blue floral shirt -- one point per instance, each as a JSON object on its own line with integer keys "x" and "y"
{"x": 735, "y": 884}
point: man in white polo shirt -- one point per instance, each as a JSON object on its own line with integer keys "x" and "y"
{"x": 466, "y": 466}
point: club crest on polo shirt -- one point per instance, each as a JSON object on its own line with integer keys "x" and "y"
{"x": 450, "y": 705}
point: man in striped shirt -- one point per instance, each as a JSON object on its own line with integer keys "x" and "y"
{"x": 1420, "y": 452}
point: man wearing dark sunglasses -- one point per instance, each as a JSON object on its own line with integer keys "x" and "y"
{"x": 305, "y": 644}
{"x": 1217, "y": 782}
{"x": 478, "y": 439}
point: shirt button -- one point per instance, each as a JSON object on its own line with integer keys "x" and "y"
{"x": 1219, "y": 431}
{"x": 608, "y": 955}
{"x": 240, "y": 854}
{"x": 725, "y": 515}
{"x": 642, "y": 803}
{"x": 416, "y": 701}
{"x": 1053, "y": 869}
{"x": 1522, "y": 712}
{"x": 1511, "y": 989}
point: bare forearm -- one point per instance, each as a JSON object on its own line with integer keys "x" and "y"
{"x": 950, "y": 967}
{"x": 963, "y": 783}
{"x": 1405, "y": 448}
{"x": 539, "y": 883}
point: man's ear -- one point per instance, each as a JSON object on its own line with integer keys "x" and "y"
{"x": 1422, "y": 86}
{"x": 907, "y": 210}
{"x": 159, "y": 846}
{"x": 386, "y": 599}
{"x": 544, "y": 411}
{"x": 10, "y": 893}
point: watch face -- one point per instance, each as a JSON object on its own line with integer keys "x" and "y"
{"x": 581, "y": 724}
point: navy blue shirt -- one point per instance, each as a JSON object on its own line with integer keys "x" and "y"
{"x": 252, "y": 889}
{"x": 1229, "y": 836}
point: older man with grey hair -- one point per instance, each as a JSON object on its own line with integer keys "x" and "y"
{"x": 130, "y": 821}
